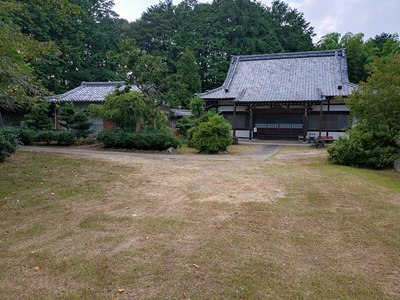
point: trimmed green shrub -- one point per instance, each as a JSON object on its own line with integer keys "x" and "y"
{"x": 120, "y": 139}
{"x": 65, "y": 137}
{"x": 372, "y": 149}
{"x": 156, "y": 139}
{"x": 146, "y": 140}
{"x": 8, "y": 143}
{"x": 81, "y": 125}
{"x": 46, "y": 136}
{"x": 39, "y": 116}
{"x": 26, "y": 136}
{"x": 213, "y": 135}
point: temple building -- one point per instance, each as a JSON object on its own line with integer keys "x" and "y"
{"x": 285, "y": 95}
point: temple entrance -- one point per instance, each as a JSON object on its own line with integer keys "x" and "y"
{"x": 278, "y": 125}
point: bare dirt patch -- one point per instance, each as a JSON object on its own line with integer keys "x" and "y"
{"x": 292, "y": 226}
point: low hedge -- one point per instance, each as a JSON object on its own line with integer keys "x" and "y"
{"x": 62, "y": 137}
{"x": 8, "y": 143}
{"x": 146, "y": 140}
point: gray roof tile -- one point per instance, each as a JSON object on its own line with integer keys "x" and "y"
{"x": 298, "y": 76}
{"x": 90, "y": 92}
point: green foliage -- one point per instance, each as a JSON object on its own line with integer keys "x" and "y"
{"x": 125, "y": 108}
{"x": 8, "y": 143}
{"x": 185, "y": 124}
{"x": 65, "y": 137}
{"x": 189, "y": 72}
{"x": 213, "y": 135}
{"x": 81, "y": 125}
{"x": 84, "y": 31}
{"x": 46, "y": 136}
{"x": 38, "y": 117}
{"x": 293, "y": 31}
{"x": 359, "y": 53}
{"x": 357, "y": 58}
{"x": 146, "y": 140}
{"x": 145, "y": 71}
{"x": 26, "y": 136}
{"x": 214, "y": 31}
{"x": 18, "y": 84}
{"x": 376, "y": 108}
{"x": 372, "y": 149}
{"x": 197, "y": 106}
{"x": 75, "y": 119}
{"x": 62, "y": 137}
{"x": 376, "y": 103}
{"x": 67, "y": 114}
{"x": 157, "y": 139}
{"x": 185, "y": 83}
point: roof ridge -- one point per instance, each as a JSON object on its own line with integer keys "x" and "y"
{"x": 90, "y": 83}
{"x": 282, "y": 55}
{"x": 60, "y": 96}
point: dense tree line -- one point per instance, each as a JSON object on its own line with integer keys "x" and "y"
{"x": 215, "y": 31}
{"x": 171, "y": 52}
{"x": 361, "y": 53}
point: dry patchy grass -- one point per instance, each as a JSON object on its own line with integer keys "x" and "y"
{"x": 290, "y": 227}
{"x": 232, "y": 149}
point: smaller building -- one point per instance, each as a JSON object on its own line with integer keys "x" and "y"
{"x": 285, "y": 95}
{"x": 176, "y": 114}
{"x": 96, "y": 92}
{"x": 90, "y": 93}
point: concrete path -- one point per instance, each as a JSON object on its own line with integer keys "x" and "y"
{"x": 263, "y": 153}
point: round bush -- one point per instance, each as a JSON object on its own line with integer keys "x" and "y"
{"x": 8, "y": 143}
{"x": 213, "y": 135}
{"x": 372, "y": 149}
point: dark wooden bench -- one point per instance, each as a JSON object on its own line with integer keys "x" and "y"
{"x": 320, "y": 141}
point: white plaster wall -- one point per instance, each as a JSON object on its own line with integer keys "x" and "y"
{"x": 226, "y": 108}
{"x": 340, "y": 107}
{"x": 242, "y": 133}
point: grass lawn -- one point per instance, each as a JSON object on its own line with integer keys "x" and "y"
{"x": 292, "y": 226}
{"x": 232, "y": 149}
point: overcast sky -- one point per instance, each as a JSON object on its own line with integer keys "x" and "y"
{"x": 371, "y": 17}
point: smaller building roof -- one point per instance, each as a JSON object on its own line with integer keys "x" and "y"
{"x": 181, "y": 112}
{"x": 90, "y": 92}
{"x": 285, "y": 77}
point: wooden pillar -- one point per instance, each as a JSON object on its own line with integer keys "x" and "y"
{"x": 251, "y": 123}
{"x": 320, "y": 119}
{"x": 305, "y": 122}
{"x": 234, "y": 120}
{"x": 55, "y": 116}
{"x": 329, "y": 109}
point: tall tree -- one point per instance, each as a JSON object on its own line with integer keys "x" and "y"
{"x": 357, "y": 57}
{"x": 376, "y": 102}
{"x": 18, "y": 84}
{"x": 216, "y": 31}
{"x": 188, "y": 71}
{"x": 84, "y": 31}
{"x": 330, "y": 41}
{"x": 293, "y": 31}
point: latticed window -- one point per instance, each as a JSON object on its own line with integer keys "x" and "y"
{"x": 330, "y": 122}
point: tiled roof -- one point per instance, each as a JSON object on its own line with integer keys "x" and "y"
{"x": 181, "y": 112}
{"x": 90, "y": 92}
{"x": 298, "y": 76}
